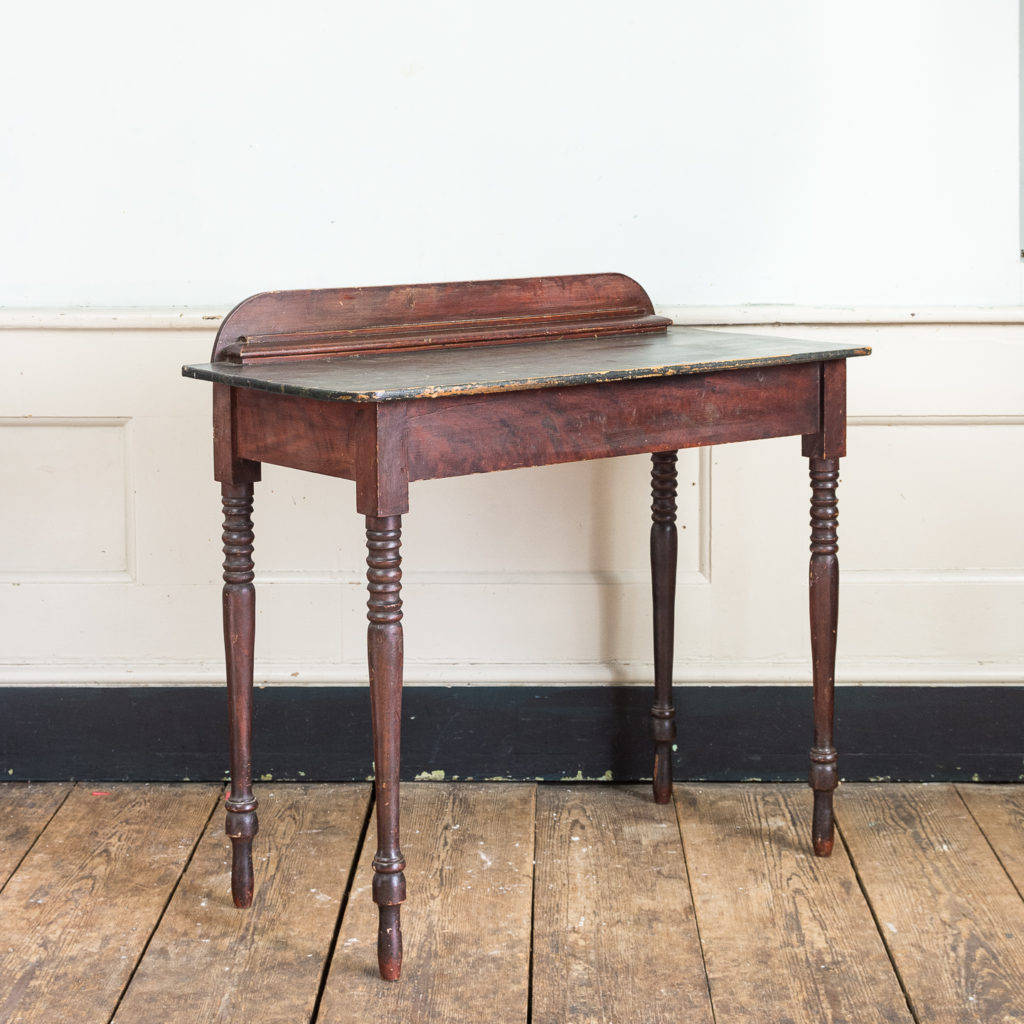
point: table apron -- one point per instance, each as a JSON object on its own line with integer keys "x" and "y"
{"x": 478, "y": 434}
{"x": 464, "y": 434}
{"x": 299, "y": 432}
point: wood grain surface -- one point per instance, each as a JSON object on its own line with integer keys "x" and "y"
{"x": 392, "y": 376}
{"x": 611, "y": 890}
{"x": 25, "y": 808}
{"x": 389, "y": 314}
{"x": 210, "y": 961}
{"x": 952, "y": 920}
{"x": 79, "y": 911}
{"x": 466, "y": 922}
{"x": 121, "y": 906}
{"x": 999, "y": 812}
{"x": 786, "y": 935}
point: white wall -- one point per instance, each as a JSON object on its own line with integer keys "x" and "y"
{"x": 725, "y": 154}
{"x": 721, "y": 152}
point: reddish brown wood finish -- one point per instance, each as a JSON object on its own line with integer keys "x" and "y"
{"x": 334, "y": 321}
{"x": 289, "y": 430}
{"x": 664, "y": 556}
{"x": 228, "y": 467}
{"x": 239, "y": 638}
{"x": 383, "y": 439}
{"x": 824, "y": 602}
{"x": 823, "y": 450}
{"x": 477, "y": 434}
{"x": 455, "y": 436}
{"x": 384, "y": 651}
{"x": 829, "y": 440}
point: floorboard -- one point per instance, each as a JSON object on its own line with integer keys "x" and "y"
{"x": 465, "y": 924}
{"x": 210, "y": 961}
{"x": 553, "y": 904}
{"x": 999, "y": 812}
{"x": 611, "y": 889}
{"x": 949, "y": 914}
{"x": 786, "y": 935}
{"x": 25, "y": 808}
{"x": 80, "y": 909}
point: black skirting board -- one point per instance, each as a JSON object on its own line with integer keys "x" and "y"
{"x": 549, "y": 733}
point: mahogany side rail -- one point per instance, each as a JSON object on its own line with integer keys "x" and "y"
{"x": 387, "y": 385}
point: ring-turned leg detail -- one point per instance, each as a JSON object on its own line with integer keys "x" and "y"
{"x": 664, "y": 555}
{"x": 384, "y": 649}
{"x": 824, "y": 603}
{"x": 239, "y": 599}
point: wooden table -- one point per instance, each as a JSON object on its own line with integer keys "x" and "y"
{"x": 387, "y": 385}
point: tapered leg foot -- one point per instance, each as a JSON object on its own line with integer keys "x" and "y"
{"x": 824, "y": 778}
{"x": 389, "y": 943}
{"x": 389, "y": 929}
{"x": 240, "y": 827}
{"x": 662, "y": 754}
{"x": 824, "y": 606}
{"x": 664, "y": 555}
{"x": 823, "y": 827}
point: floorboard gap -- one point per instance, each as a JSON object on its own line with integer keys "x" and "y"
{"x": 349, "y": 883}
{"x": 39, "y": 835}
{"x": 995, "y": 852}
{"x": 693, "y": 899}
{"x": 533, "y": 912}
{"x": 200, "y": 832}
{"x": 878, "y": 924}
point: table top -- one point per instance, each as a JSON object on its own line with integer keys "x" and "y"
{"x": 486, "y": 369}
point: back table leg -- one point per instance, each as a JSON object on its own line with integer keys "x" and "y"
{"x": 664, "y": 548}
{"x": 824, "y": 600}
{"x": 384, "y": 649}
{"x": 239, "y": 598}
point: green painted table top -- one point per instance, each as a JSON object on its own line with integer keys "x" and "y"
{"x": 521, "y": 366}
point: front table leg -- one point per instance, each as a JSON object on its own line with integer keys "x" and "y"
{"x": 824, "y": 599}
{"x": 384, "y": 650}
{"x": 664, "y": 548}
{"x": 239, "y": 599}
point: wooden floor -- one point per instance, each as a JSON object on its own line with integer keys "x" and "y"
{"x": 550, "y": 904}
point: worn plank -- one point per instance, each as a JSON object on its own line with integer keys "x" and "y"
{"x": 614, "y": 933}
{"x": 999, "y": 811}
{"x": 787, "y": 937}
{"x": 79, "y": 910}
{"x": 950, "y": 916}
{"x": 466, "y": 923}
{"x": 25, "y": 808}
{"x": 210, "y": 961}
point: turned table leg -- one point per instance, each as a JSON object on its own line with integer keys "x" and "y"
{"x": 384, "y": 649}
{"x": 664, "y": 548}
{"x": 824, "y": 601}
{"x": 239, "y": 599}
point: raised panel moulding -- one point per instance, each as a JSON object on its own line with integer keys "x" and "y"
{"x": 1001, "y": 536}
{"x": 51, "y": 536}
